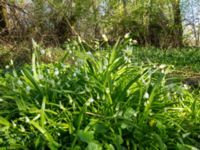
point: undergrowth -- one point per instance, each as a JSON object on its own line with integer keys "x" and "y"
{"x": 93, "y": 101}
{"x": 184, "y": 59}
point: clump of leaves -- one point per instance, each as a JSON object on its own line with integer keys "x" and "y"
{"x": 101, "y": 101}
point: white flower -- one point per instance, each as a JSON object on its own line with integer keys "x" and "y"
{"x": 104, "y": 67}
{"x": 27, "y": 119}
{"x": 135, "y": 42}
{"x": 126, "y": 36}
{"x": 129, "y": 51}
{"x": 19, "y": 82}
{"x": 186, "y": 86}
{"x": 89, "y": 53}
{"x": 14, "y": 124}
{"x": 56, "y": 72}
{"x": 28, "y": 88}
{"x": 104, "y": 37}
{"x": 1, "y": 100}
{"x": 40, "y": 77}
{"x": 128, "y": 92}
{"x": 42, "y": 51}
{"x": 107, "y": 90}
{"x": 146, "y": 95}
{"x": 96, "y": 46}
{"x": 162, "y": 66}
{"x": 135, "y": 114}
{"x": 7, "y": 67}
{"x": 128, "y": 60}
{"x": 91, "y": 100}
{"x": 74, "y": 74}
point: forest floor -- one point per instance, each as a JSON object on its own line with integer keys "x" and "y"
{"x": 185, "y": 61}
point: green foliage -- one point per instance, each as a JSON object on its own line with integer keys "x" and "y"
{"x": 103, "y": 100}
{"x": 185, "y": 59}
{"x": 17, "y": 53}
{"x": 156, "y": 23}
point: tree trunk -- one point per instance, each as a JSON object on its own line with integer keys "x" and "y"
{"x": 177, "y": 29}
{"x": 124, "y": 2}
{"x": 2, "y": 16}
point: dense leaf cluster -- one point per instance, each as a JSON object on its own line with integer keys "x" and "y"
{"x": 97, "y": 101}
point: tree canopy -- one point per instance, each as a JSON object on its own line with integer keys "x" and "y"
{"x": 157, "y": 23}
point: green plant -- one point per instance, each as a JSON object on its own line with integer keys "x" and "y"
{"x": 103, "y": 100}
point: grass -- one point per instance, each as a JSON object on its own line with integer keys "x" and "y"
{"x": 185, "y": 62}
{"x": 100, "y": 100}
{"x": 185, "y": 59}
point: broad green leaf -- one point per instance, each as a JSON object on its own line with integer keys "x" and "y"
{"x": 86, "y": 136}
{"x": 94, "y": 146}
{"x": 109, "y": 147}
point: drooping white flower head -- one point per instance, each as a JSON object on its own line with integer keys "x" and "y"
{"x": 74, "y": 74}
{"x": 7, "y": 66}
{"x": 40, "y": 76}
{"x": 162, "y": 66}
{"x": 19, "y": 82}
{"x": 89, "y": 53}
{"x": 56, "y": 73}
{"x": 27, "y": 119}
{"x": 91, "y": 100}
{"x": 135, "y": 41}
{"x": 146, "y": 95}
{"x": 105, "y": 38}
{"x": 127, "y": 35}
{"x": 28, "y": 88}
{"x": 42, "y": 51}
